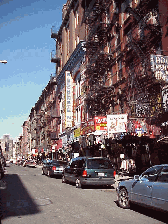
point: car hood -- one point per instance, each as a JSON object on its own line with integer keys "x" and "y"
{"x": 126, "y": 183}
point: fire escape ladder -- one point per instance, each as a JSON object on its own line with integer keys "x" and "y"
{"x": 134, "y": 13}
{"x": 99, "y": 97}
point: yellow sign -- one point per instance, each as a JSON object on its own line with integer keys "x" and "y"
{"x": 97, "y": 127}
{"x": 76, "y": 132}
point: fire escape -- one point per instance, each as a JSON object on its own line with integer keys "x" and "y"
{"x": 143, "y": 33}
{"x": 99, "y": 95}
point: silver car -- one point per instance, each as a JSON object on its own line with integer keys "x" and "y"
{"x": 149, "y": 189}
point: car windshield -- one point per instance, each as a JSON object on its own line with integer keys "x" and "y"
{"x": 99, "y": 164}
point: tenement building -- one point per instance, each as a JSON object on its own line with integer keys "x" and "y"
{"x": 109, "y": 94}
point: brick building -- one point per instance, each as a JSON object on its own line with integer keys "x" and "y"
{"x": 110, "y": 59}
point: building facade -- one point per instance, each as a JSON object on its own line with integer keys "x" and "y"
{"x": 110, "y": 79}
{"x": 7, "y": 146}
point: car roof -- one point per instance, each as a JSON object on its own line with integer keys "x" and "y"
{"x": 88, "y": 157}
{"x": 82, "y": 157}
{"x": 58, "y": 161}
{"x": 159, "y": 165}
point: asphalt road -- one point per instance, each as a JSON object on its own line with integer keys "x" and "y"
{"x": 30, "y": 198}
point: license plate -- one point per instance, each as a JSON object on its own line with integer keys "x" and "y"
{"x": 101, "y": 174}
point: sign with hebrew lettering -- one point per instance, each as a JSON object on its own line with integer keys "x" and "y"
{"x": 159, "y": 65}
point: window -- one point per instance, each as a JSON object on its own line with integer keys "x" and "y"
{"x": 78, "y": 115}
{"x": 78, "y": 88}
{"x": 108, "y": 47}
{"x": 74, "y": 164}
{"x": 99, "y": 164}
{"x": 120, "y": 73}
{"x": 76, "y": 19}
{"x": 77, "y": 39}
{"x": 151, "y": 173}
{"x": 81, "y": 163}
{"x": 163, "y": 176}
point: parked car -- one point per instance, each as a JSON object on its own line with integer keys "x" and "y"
{"x": 89, "y": 171}
{"x": 8, "y": 162}
{"x": 17, "y": 161}
{"x": 20, "y": 162}
{"x": 148, "y": 189}
{"x": 29, "y": 163}
{"x": 53, "y": 167}
{"x": 3, "y": 161}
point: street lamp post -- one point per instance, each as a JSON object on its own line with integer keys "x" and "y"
{"x": 3, "y": 61}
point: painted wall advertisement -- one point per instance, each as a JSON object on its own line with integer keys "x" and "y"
{"x": 69, "y": 100}
{"x": 116, "y": 123}
{"x": 159, "y": 65}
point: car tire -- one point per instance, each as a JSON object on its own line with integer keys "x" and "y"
{"x": 123, "y": 199}
{"x": 78, "y": 183}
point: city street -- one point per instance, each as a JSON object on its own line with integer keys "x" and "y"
{"x": 30, "y": 197}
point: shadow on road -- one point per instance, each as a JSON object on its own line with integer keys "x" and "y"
{"x": 15, "y": 200}
{"x": 94, "y": 186}
{"x": 153, "y": 213}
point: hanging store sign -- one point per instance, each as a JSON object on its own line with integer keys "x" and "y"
{"x": 58, "y": 144}
{"x": 64, "y": 140}
{"x": 87, "y": 127}
{"x": 77, "y": 133}
{"x": 100, "y": 123}
{"x": 116, "y": 123}
{"x": 69, "y": 100}
{"x": 159, "y": 65}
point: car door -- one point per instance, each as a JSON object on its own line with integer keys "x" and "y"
{"x": 73, "y": 170}
{"x": 48, "y": 166}
{"x": 141, "y": 191}
{"x": 160, "y": 190}
{"x": 67, "y": 172}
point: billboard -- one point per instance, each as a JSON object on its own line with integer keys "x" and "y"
{"x": 68, "y": 99}
{"x": 159, "y": 65}
{"x": 116, "y": 123}
{"x": 100, "y": 123}
{"x": 87, "y": 127}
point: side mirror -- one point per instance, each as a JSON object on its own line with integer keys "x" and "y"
{"x": 136, "y": 177}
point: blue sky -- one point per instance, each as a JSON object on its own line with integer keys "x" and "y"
{"x": 25, "y": 42}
